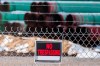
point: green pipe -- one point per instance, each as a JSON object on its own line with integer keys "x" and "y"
{"x": 23, "y": 6}
{"x": 82, "y": 18}
{"x": 61, "y": 6}
{"x": 14, "y": 16}
{"x": 10, "y": 17}
{"x": 97, "y": 19}
{"x": 2, "y": 18}
{"x": 78, "y": 7}
{"x": 5, "y": 16}
{"x": 2, "y": 21}
{"x": 91, "y": 18}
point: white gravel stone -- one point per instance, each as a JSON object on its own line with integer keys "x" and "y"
{"x": 1, "y": 49}
{"x": 97, "y": 49}
{"x": 24, "y": 51}
{"x": 6, "y": 49}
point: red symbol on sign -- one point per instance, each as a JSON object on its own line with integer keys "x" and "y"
{"x": 49, "y": 46}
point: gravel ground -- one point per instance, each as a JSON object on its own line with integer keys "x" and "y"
{"x": 29, "y": 61}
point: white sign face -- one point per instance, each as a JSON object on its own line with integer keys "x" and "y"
{"x": 48, "y": 51}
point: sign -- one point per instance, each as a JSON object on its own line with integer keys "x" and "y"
{"x": 48, "y": 51}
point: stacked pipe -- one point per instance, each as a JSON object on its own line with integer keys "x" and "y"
{"x": 11, "y": 16}
{"x": 13, "y": 6}
{"x": 4, "y": 17}
{"x": 31, "y": 20}
{"x": 80, "y": 7}
{"x": 10, "y": 20}
{"x": 75, "y": 18}
{"x": 54, "y": 6}
{"x": 64, "y": 19}
{"x": 80, "y": 18}
{"x": 69, "y": 19}
{"x": 42, "y": 20}
{"x": 80, "y": 33}
{"x": 51, "y": 20}
{"x": 44, "y": 17}
{"x": 27, "y": 6}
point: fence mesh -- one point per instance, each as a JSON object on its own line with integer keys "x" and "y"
{"x": 80, "y": 42}
{"x": 79, "y": 32}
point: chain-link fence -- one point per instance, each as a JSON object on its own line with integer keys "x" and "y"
{"x": 82, "y": 42}
{"x": 76, "y": 24}
{"x": 77, "y": 43}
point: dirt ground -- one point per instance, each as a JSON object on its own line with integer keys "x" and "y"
{"x": 29, "y": 61}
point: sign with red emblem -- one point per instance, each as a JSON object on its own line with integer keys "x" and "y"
{"x": 48, "y": 51}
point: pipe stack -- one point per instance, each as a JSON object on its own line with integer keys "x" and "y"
{"x": 53, "y": 6}
{"x": 65, "y": 15}
{"x": 12, "y": 20}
